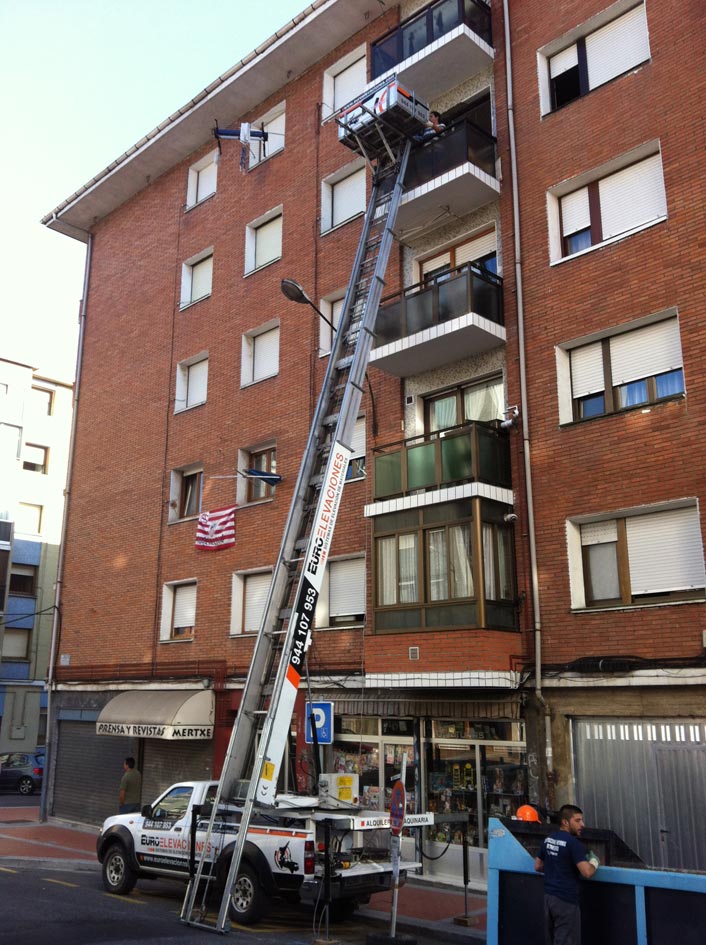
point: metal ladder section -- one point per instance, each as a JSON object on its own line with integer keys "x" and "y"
{"x": 264, "y": 717}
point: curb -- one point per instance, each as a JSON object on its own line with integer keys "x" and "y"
{"x": 48, "y": 863}
{"x": 442, "y": 931}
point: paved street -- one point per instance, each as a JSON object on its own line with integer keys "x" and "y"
{"x": 70, "y": 906}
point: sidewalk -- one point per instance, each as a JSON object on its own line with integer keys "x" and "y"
{"x": 422, "y": 907}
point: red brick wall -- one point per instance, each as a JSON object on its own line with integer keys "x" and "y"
{"x": 635, "y": 458}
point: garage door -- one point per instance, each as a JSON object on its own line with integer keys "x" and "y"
{"x": 166, "y": 762}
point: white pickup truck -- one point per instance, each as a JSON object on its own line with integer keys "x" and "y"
{"x": 284, "y": 856}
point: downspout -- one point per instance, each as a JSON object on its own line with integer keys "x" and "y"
{"x": 524, "y": 400}
{"x": 56, "y": 623}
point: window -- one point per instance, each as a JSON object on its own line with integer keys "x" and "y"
{"x": 342, "y": 197}
{"x": 356, "y": 465}
{"x": 10, "y": 441}
{"x": 197, "y": 278}
{"x": 332, "y": 309}
{"x": 249, "y": 597}
{"x": 608, "y": 206}
{"x": 260, "y": 355}
{"x": 191, "y": 383}
{"x": 15, "y": 644}
{"x": 185, "y": 493}
{"x": 484, "y": 400}
{"x": 178, "y": 611}
{"x": 481, "y": 249}
{"x": 637, "y": 557}
{"x": 36, "y": 458}
{"x": 263, "y": 461}
{"x": 342, "y": 598}
{"x": 202, "y": 179}
{"x": 263, "y": 240}
{"x": 627, "y": 369}
{"x": 42, "y": 401}
{"x": 23, "y": 580}
{"x": 29, "y": 519}
{"x": 344, "y": 81}
{"x": 603, "y": 51}
{"x": 273, "y": 126}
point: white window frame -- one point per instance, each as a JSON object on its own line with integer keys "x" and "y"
{"x": 575, "y": 554}
{"x": 582, "y": 32}
{"x": 182, "y": 401}
{"x": 248, "y": 374}
{"x": 329, "y": 78}
{"x": 238, "y": 601}
{"x": 270, "y": 122}
{"x": 563, "y": 358}
{"x": 356, "y": 465}
{"x": 187, "y": 278}
{"x": 38, "y": 510}
{"x": 346, "y": 174}
{"x": 176, "y": 483}
{"x": 325, "y": 619}
{"x": 167, "y": 617}
{"x": 332, "y": 308}
{"x": 208, "y": 164}
{"x": 644, "y": 152}
{"x": 251, "y": 230}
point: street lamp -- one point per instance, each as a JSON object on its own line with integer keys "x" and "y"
{"x": 294, "y": 292}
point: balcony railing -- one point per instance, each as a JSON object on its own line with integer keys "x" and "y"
{"x": 474, "y": 452}
{"x": 433, "y": 22}
{"x": 463, "y": 142}
{"x": 469, "y": 288}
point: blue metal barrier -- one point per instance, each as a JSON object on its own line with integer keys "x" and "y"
{"x": 619, "y": 906}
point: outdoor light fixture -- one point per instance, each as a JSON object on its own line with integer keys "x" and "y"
{"x": 294, "y": 292}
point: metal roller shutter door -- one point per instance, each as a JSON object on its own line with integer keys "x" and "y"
{"x": 166, "y": 762}
{"x": 88, "y": 772}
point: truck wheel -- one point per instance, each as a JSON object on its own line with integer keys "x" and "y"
{"x": 118, "y": 876}
{"x": 26, "y": 786}
{"x": 247, "y": 900}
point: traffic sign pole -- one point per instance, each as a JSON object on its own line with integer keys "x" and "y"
{"x": 398, "y": 804}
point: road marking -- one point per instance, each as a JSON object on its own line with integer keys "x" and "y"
{"x": 6, "y": 869}
{"x": 138, "y": 902}
{"x": 60, "y": 882}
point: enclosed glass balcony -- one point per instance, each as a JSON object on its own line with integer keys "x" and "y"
{"x": 477, "y": 452}
{"x": 441, "y": 45}
{"x": 456, "y": 315}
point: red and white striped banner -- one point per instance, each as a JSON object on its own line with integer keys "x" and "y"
{"x": 216, "y": 529}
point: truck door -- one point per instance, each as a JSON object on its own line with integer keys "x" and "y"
{"x": 164, "y": 843}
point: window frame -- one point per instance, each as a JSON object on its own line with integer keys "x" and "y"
{"x": 194, "y": 178}
{"x": 324, "y": 619}
{"x": 169, "y": 601}
{"x": 328, "y": 96}
{"x": 183, "y": 373}
{"x": 178, "y": 492}
{"x": 187, "y": 278}
{"x": 239, "y": 599}
{"x": 255, "y": 486}
{"x": 30, "y": 571}
{"x": 458, "y": 391}
{"x": 249, "y": 354}
{"x": 48, "y": 394}
{"x": 255, "y": 157}
{"x": 251, "y": 237}
{"x": 29, "y": 466}
{"x": 40, "y": 517}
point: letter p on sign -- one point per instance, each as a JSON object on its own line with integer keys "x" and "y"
{"x": 322, "y": 713}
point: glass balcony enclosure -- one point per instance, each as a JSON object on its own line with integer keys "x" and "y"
{"x": 463, "y": 142}
{"x": 425, "y": 27}
{"x": 474, "y": 451}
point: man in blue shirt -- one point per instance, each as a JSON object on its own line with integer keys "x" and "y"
{"x": 564, "y": 862}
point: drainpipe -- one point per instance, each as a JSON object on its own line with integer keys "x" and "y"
{"x": 56, "y": 623}
{"x": 524, "y": 400}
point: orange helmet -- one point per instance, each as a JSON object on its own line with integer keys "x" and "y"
{"x": 527, "y": 812}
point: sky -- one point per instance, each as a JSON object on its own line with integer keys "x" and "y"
{"x": 83, "y": 80}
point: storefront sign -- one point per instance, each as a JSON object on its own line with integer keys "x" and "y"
{"x": 140, "y": 730}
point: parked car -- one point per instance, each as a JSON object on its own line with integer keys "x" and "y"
{"x": 22, "y": 771}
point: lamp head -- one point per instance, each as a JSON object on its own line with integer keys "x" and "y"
{"x": 294, "y": 292}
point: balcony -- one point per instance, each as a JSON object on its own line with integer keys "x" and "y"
{"x": 437, "y": 48}
{"x": 474, "y": 452}
{"x": 455, "y": 170}
{"x": 457, "y": 315}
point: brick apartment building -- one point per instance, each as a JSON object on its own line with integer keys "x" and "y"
{"x": 501, "y": 598}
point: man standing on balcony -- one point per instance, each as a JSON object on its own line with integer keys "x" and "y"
{"x": 434, "y": 127}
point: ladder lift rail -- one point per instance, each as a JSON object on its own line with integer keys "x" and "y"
{"x": 331, "y": 451}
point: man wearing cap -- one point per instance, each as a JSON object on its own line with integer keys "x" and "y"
{"x": 564, "y": 862}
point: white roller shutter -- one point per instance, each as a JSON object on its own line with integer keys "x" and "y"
{"x": 275, "y": 132}
{"x": 349, "y": 83}
{"x": 575, "y": 212}
{"x": 587, "y": 370}
{"x": 206, "y": 181}
{"x": 599, "y": 533}
{"x": 563, "y": 61}
{"x": 347, "y": 587}
{"x": 443, "y": 260}
{"x": 358, "y": 439}
{"x": 348, "y": 197}
{"x": 201, "y": 278}
{"x": 256, "y": 589}
{"x": 632, "y": 197}
{"x": 665, "y": 552}
{"x": 184, "y": 606}
{"x": 266, "y": 354}
{"x": 268, "y": 242}
{"x": 645, "y": 352}
{"x": 197, "y": 383}
{"x": 476, "y": 248}
{"x": 617, "y": 47}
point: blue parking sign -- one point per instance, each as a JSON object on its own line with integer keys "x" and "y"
{"x": 323, "y": 720}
